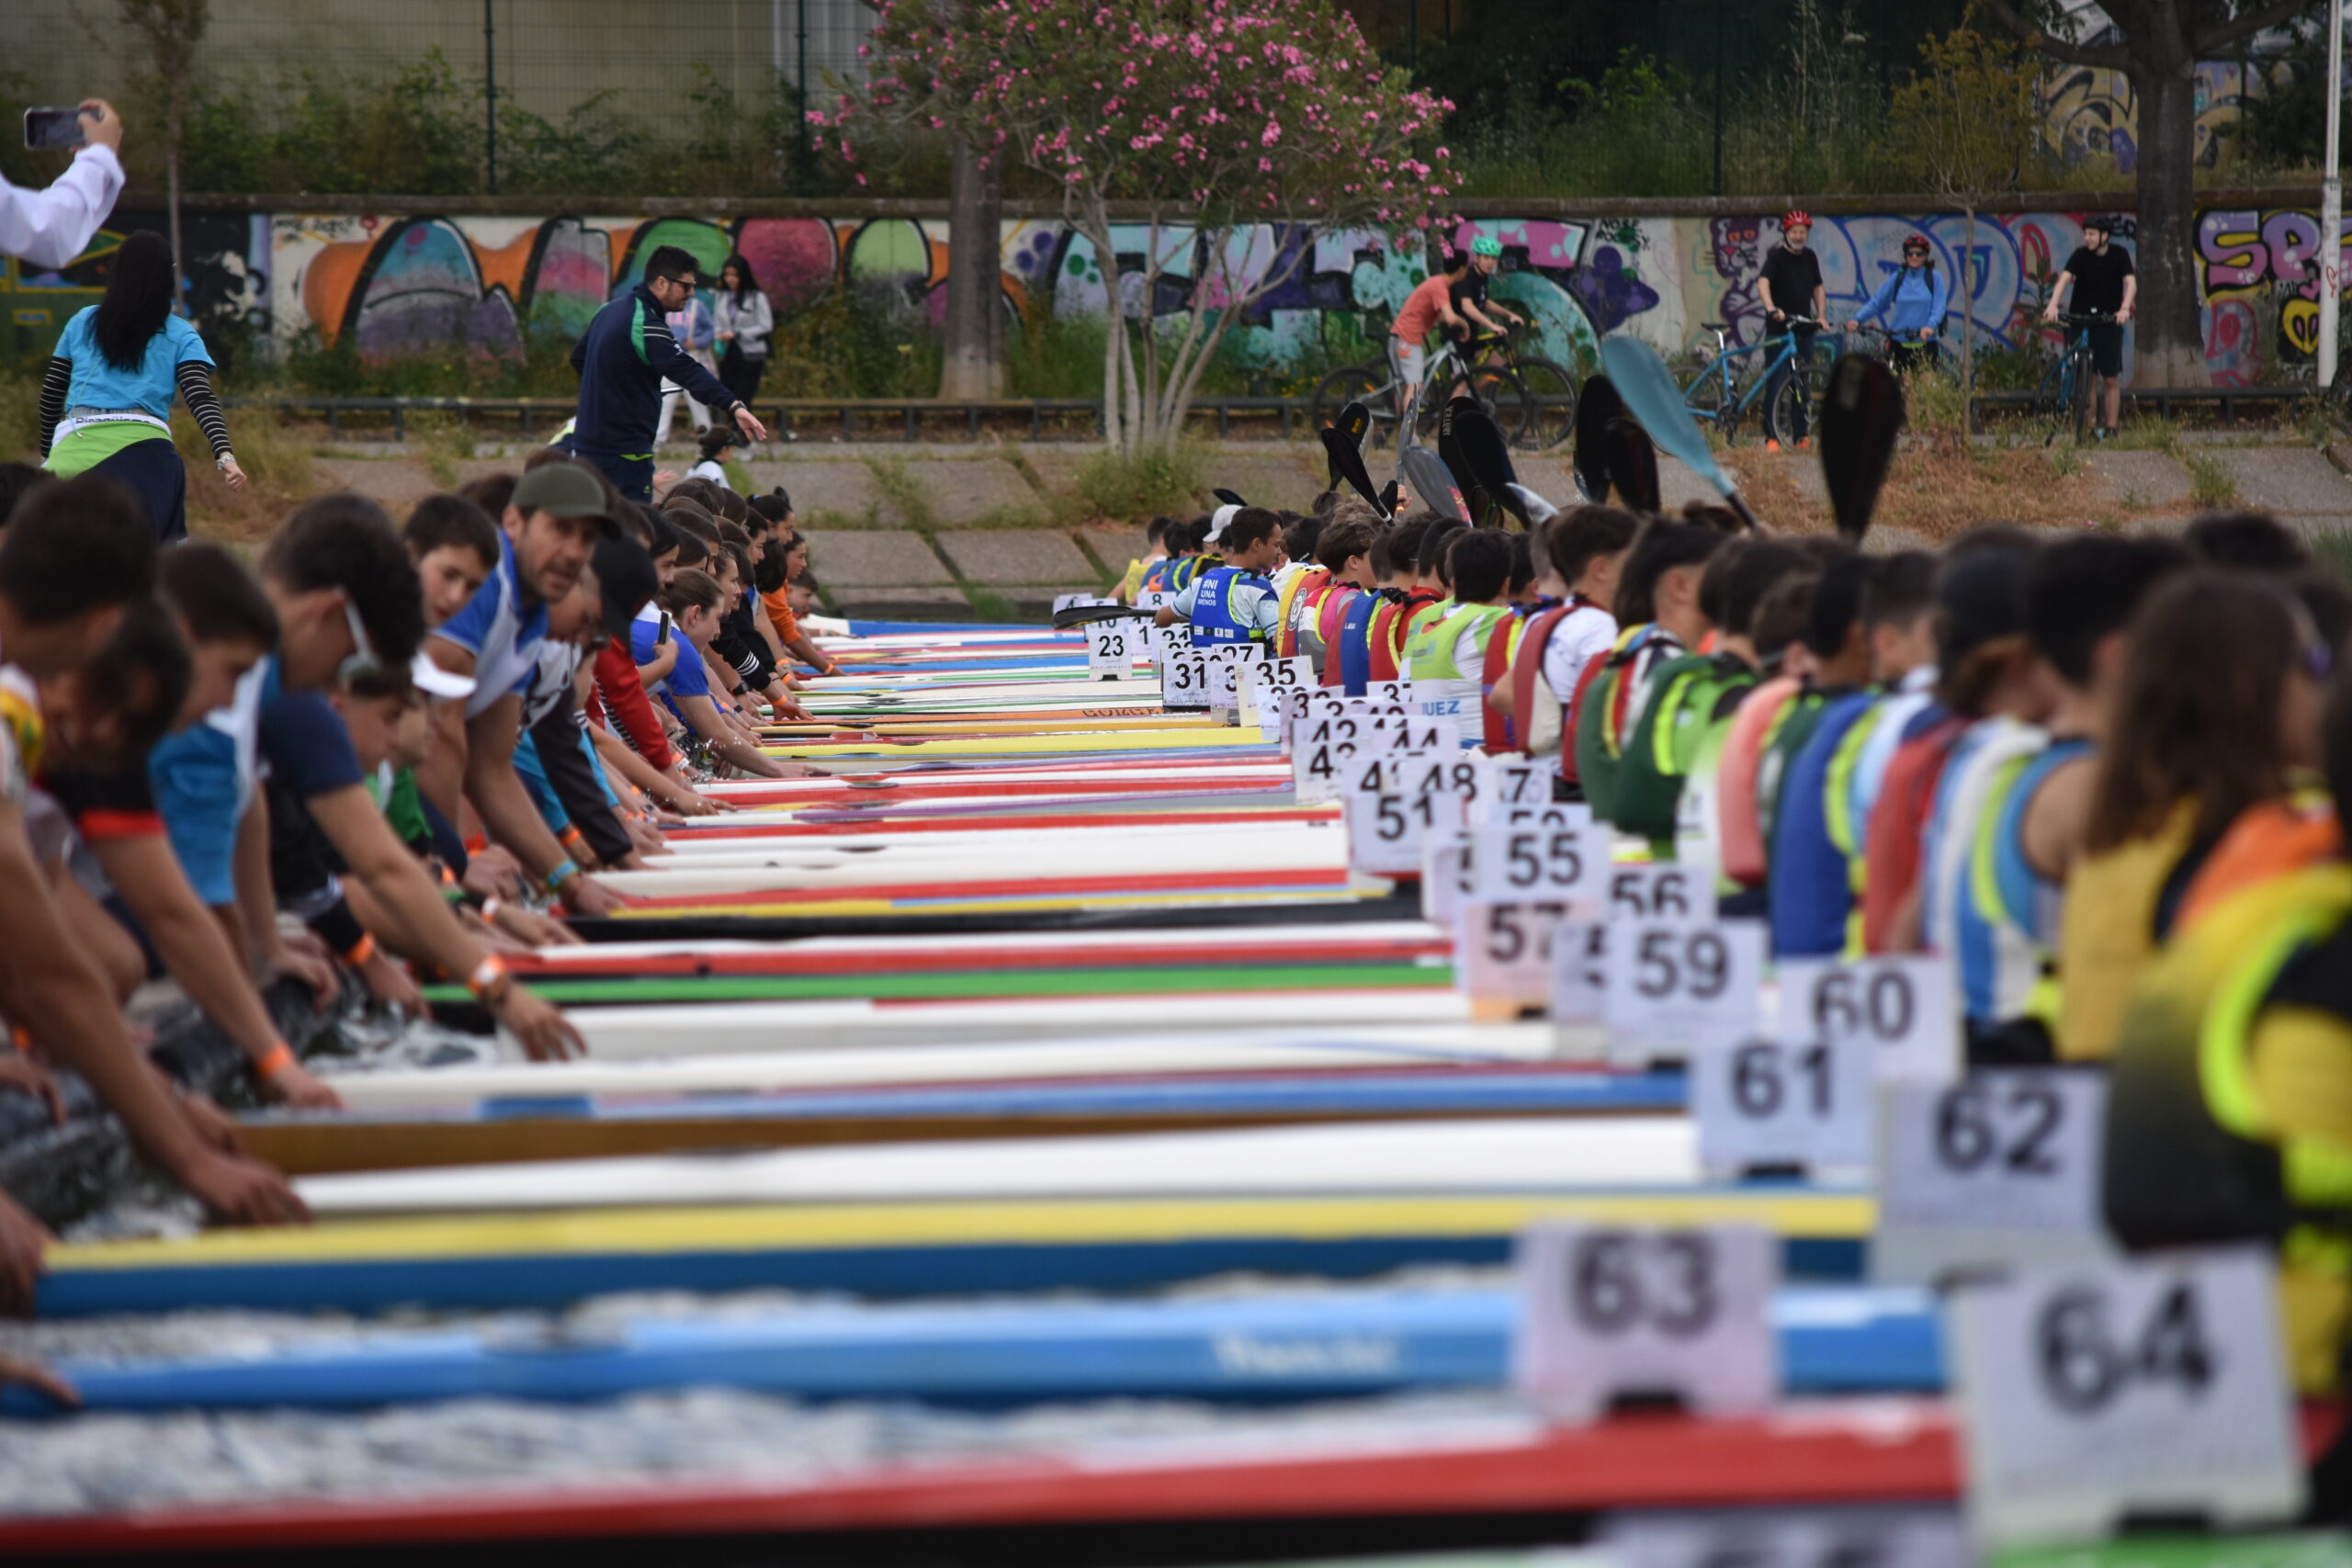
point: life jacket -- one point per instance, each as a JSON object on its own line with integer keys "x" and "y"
{"x": 1811, "y": 887}
{"x": 2108, "y": 933}
{"x": 2269, "y": 839}
{"x": 1180, "y": 575}
{"x": 1216, "y": 616}
{"x": 1601, "y": 711}
{"x": 1657, "y": 756}
{"x": 1498, "y": 731}
{"x": 1794, "y": 727}
{"x": 1983, "y": 766}
{"x": 1540, "y": 722}
{"x": 1898, "y": 823}
{"x": 1740, "y": 844}
{"x": 2009, "y": 913}
{"x": 1390, "y": 630}
{"x": 1347, "y": 650}
{"x": 1331, "y": 615}
{"x": 2238, "y": 1028}
{"x": 1447, "y": 691}
{"x": 1156, "y": 575}
{"x": 1302, "y": 585}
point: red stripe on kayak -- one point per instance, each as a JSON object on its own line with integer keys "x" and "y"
{"x": 1906, "y": 1452}
{"x": 991, "y": 824}
{"x": 1002, "y": 888}
{"x": 910, "y": 961}
{"x": 931, "y": 789}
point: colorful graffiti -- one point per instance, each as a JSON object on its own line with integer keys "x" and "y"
{"x": 2088, "y": 113}
{"x": 399, "y": 282}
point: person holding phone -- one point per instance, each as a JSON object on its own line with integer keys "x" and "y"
{"x": 106, "y": 401}
{"x": 46, "y": 229}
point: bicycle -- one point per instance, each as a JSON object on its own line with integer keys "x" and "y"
{"x": 1532, "y": 400}
{"x": 1935, "y": 363}
{"x": 1719, "y": 396}
{"x": 2068, "y": 386}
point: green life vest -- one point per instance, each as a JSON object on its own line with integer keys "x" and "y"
{"x": 1688, "y": 697}
{"x": 1428, "y": 652}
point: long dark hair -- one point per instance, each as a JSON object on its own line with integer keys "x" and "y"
{"x": 746, "y": 283}
{"x": 137, "y": 302}
{"x": 2197, "y": 712}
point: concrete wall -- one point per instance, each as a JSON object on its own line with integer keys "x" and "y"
{"x": 399, "y": 282}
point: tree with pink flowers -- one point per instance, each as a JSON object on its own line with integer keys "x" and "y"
{"x": 1209, "y": 137}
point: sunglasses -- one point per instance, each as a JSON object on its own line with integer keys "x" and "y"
{"x": 1914, "y": 250}
{"x": 363, "y": 661}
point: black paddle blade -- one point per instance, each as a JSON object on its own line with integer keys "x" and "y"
{"x": 1228, "y": 497}
{"x": 1354, "y": 419}
{"x": 1633, "y": 463}
{"x": 1596, "y": 406}
{"x": 1387, "y": 502}
{"x": 1482, "y": 446}
{"x": 1087, "y": 615}
{"x": 1346, "y": 462}
{"x": 1859, "y": 421}
{"x": 1457, "y": 461}
{"x": 1424, "y": 473}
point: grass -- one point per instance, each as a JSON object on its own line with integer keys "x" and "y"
{"x": 1935, "y": 491}
{"x": 1148, "y": 484}
{"x": 2332, "y": 551}
{"x": 905, "y": 490}
{"x": 2209, "y": 484}
{"x": 277, "y": 460}
{"x": 442, "y": 440}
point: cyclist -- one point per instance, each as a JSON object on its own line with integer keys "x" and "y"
{"x": 1429, "y": 306}
{"x": 1468, "y": 296}
{"x": 1912, "y": 301}
{"x": 1790, "y": 288}
{"x": 2104, "y": 283}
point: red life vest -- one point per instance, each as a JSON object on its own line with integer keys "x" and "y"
{"x": 1330, "y": 610}
{"x": 1310, "y": 584}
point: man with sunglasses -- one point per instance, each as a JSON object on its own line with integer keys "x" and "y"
{"x": 557, "y": 515}
{"x": 624, "y": 358}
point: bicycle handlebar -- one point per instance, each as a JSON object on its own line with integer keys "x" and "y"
{"x": 2084, "y": 318}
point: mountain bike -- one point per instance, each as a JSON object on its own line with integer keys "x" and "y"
{"x": 1532, "y": 400}
{"x": 1734, "y": 382}
{"x": 1881, "y": 346}
{"x": 2061, "y": 404}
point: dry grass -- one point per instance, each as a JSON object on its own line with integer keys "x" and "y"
{"x": 275, "y": 458}
{"x": 1935, "y": 491}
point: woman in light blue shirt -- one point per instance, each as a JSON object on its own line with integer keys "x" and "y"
{"x": 1912, "y": 301}
{"x": 106, "y": 401}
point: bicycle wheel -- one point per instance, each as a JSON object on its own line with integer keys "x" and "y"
{"x": 2053, "y": 399}
{"x": 1793, "y": 411}
{"x": 1367, "y": 384}
{"x": 1713, "y": 399}
{"x": 1552, "y": 396}
{"x": 1505, "y": 398}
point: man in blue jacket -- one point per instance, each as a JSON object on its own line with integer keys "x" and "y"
{"x": 622, "y": 359}
{"x": 1912, "y": 301}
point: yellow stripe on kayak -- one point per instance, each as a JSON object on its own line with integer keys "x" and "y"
{"x": 997, "y": 905}
{"x": 755, "y": 1228}
{"x": 1163, "y": 739}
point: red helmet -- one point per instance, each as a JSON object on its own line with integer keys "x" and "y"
{"x": 1915, "y": 241}
{"x": 1794, "y": 216}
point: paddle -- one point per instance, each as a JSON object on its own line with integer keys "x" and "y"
{"x": 1087, "y": 615}
{"x": 1488, "y": 454}
{"x": 1859, "y": 424}
{"x": 1229, "y": 497}
{"x": 1632, "y": 464}
{"x": 1353, "y": 422}
{"x": 1387, "y": 502}
{"x": 1651, "y": 397}
{"x": 1346, "y": 462}
{"x": 1457, "y": 461}
{"x": 1424, "y": 473}
{"x": 1533, "y": 508}
{"x": 1596, "y": 406}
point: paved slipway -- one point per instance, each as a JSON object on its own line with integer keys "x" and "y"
{"x": 906, "y": 531}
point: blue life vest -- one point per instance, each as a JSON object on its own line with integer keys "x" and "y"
{"x": 1355, "y": 643}
{"x": 1216, "y": 617}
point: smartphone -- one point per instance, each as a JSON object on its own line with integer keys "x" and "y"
{"x": 663, "y": 635}
{"x": 53, "y": 130}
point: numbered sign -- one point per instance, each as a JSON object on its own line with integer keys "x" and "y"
{"x": 1184, "y": 681}
{"x": 1286, "y": 675}
{"x": 2000, "y": 1169}
{"x": 1766, "y": 1105}
{"x": 1563, "y": 861}
{"x": 1611, "y": 1315}
{"x": 1320, "y": 754}
{"x": 1513, "y": 791}
{"x": 1395, "y": 693}
{"x": 1448, "y": 875}
{"x": 1405, "y": 732}
{"x": 1386, "y": 830}
{"x": 1675, "y": 988}
{"x": 1430, "y": 771}
{"x": 1112, "y": 650}
{"x": 1660, "y": 894}
{"x": 1502, "y": 950}
{"x": 1904, "y": 1006}
{"x": 1074, "y": 600}
{"x": 2154, "y": 1385}
{"x": 1580, "y": 990}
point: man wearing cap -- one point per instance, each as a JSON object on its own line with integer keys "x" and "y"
{"x": 557, "y": 514}
{"x": 624, "y": 358}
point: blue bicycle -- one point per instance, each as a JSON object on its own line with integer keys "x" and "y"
{"x": 1736, "y": 379}
{"x": 2062, "y": 403}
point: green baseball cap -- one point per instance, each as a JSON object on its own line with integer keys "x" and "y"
{"x": 565, "y": 488}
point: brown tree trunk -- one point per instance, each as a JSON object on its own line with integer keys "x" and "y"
{"x": 972, "y": 364}
{"x": 2170, "y": 339}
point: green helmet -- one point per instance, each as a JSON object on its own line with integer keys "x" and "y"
{"x": 1485, "y": 246}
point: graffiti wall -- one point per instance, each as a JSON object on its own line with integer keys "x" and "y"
{"x": 2088, "y": 112}
{"x": 397, "y": 284}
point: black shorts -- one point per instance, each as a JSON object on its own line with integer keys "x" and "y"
{"x": 2107, "y": 348}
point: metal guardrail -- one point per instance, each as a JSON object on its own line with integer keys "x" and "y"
{"x": 2165, "y": 399}
{"x": 798, "y": 415}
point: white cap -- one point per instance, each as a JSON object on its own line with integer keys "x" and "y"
{"x": 435, "y": 682}
{"x": 1217, "y": 520}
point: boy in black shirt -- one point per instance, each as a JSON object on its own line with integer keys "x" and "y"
{"x": 1790, "y": 285}
{"x": 2104, "y": 285}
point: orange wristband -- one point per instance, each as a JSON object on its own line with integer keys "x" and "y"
{"x": 281, "y": 1057}
{"x": 360, "y": 952}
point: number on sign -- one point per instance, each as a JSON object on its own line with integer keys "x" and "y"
{"x": 1696, "y": 964}
{"x": 1398, "y": 815}
{"x": 1618, "y": 1280}
{"x": 1880, "y": 1004}
{"x": 2083, "y": 1367}
{"x": 1763, "y": 1073}
{"x": 1967, "y": 1136}
{"x": 1653, "y": 893}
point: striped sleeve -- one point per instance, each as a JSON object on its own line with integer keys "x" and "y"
{"x": 55, "y": 382}
{"x": 196, "y": 391}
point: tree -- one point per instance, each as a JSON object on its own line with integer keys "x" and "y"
{"x": 169, "y": 31}
{"x": 1962, "y": 125}
{"x": 1197, "y": 121}
{"x": 2158, "y": 45}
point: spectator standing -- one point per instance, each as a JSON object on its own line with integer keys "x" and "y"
{"x": 106, "y": 401}
{"x": 1794, "y": 300}
{"x": 2104, "y": 283}
{"x": 745, "y": 322}
{"x": 46, "y": 229}
{"x": 697, "y": 331}
{"x": 622, "y": 359}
